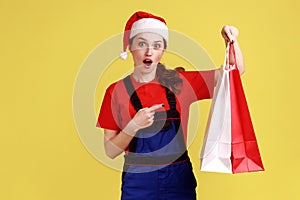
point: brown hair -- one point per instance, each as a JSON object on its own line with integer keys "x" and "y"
{"x": 167, "y": 77}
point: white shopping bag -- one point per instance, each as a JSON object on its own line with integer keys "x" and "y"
{"x": 216, "y": 149}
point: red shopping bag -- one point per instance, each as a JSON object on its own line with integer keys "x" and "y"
{"x": 245, "y": 155}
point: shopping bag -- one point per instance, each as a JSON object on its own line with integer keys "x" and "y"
{"x": 230, "y": 145}
{"x": 216, "y": 149}
{"x": 245, "y": 152}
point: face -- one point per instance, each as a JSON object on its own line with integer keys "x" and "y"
{"x": 147, "y": 50}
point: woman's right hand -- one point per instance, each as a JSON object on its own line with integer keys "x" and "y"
{"x": 142, "y": 119}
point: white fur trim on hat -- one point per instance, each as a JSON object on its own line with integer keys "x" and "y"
{"x": 149, "y": 25}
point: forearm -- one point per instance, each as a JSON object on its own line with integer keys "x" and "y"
{"x": 117, "y": 144}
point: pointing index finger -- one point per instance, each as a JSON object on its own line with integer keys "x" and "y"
{"x": 156, "y": 106}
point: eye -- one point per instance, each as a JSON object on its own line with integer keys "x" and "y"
{"x": 157, "y": 46}
{"x": 142, "y": 44}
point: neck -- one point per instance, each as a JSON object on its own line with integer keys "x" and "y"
{"x": 143, "y": 78}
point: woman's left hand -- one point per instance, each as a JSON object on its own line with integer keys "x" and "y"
{"x": 230, "y": 33}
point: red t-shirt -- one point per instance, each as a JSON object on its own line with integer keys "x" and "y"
{"x": 116, "y": 110}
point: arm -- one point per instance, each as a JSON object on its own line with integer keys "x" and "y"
{"x": 115, "y": 142}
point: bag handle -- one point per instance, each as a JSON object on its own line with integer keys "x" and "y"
{"x": 226, "y": 66}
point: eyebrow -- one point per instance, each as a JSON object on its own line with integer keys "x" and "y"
{"x": 146, "y": 39}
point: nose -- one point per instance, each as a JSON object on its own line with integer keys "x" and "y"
{"x": 149, "y": 51}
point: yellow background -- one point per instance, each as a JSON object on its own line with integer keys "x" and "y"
{"x": 44, "y": 43}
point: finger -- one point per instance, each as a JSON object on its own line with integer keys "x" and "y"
{"x": 234, "y": 31}
{"x": 155, "y": 107}
{"x": 228, "y": 33}
{"x": 230, "y": 36}
{"x": 149, "y": 123}
{"x": 152, "y": 113}
{"x": 226, "y": 38}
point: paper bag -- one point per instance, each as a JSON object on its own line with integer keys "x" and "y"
{"x": 230, "y": 144}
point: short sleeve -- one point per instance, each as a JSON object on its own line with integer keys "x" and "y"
{"x": 108, "y": 118}
{"x": 202, "y": 82}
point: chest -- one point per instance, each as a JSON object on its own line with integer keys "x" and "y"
{"x": 151, "y": 94}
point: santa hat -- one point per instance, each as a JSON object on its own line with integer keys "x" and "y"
{"x": 141, "y": 22}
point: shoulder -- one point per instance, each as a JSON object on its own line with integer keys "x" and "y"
{"x": 115, "y": 87}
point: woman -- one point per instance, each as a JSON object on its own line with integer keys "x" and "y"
{"x": 145, "y": 114}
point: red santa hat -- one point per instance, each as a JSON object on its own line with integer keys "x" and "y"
{"x": 141, "y": 22}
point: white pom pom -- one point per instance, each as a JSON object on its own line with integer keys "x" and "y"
{"x": 123, "y": 55}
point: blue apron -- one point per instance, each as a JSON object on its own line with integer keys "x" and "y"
{"x": 157, "y": 166}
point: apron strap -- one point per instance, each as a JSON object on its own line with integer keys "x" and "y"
{"x": 135, "y": 101}
{"x": 171, "y": 99}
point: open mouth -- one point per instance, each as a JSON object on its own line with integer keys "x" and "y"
{"x": 147, "y": 62}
